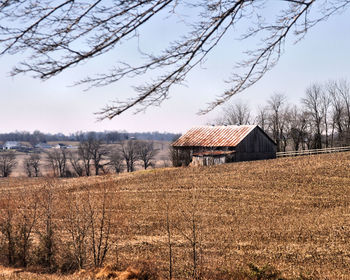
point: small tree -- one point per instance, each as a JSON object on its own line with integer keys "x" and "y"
{"x": 116, "y": 161}
{"x": 129, "y": 150}
{"x": 146, "y": 153}
{"x": 31, "y": 165}
{"x": 58, "y": 162}
{"x": 98, "y": 152}
{"x": 77, "y": 163}
{"x": 314, "y": 106}
{"x": 85, "y": 155}
{"x": 236, "y": 114}
{"x": 276, "y": 105}
{"x": 262, "y": 117}
{"x": 100, "y": 227}
{"x": 7, "y": 163}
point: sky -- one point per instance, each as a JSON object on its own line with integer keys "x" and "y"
{"x": 54, "y": 106}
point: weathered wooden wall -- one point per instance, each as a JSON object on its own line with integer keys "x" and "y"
{"x": 257, "y": 145}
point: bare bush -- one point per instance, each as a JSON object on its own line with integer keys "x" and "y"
{"x": 18, "y": 217}
{"x": 100, "y": 227}
{"x": 77, "y": 224}
{"x": 47, "y": 246}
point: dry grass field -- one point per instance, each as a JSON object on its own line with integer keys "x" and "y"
{"x": 290, "y": 213}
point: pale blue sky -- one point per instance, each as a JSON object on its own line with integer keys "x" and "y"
{"x": 51, "y": 106}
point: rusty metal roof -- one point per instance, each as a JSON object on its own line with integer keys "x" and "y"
{"x": 213, "y": 153}
{"x": 214, "y": 136}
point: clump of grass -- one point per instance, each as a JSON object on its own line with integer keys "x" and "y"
{"x": 266, "y": 272}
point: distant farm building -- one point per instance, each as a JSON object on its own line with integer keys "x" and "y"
{"x": 9, "y": 145}
{"x": 210, "y": 145}
{"x": 43, "y": 146}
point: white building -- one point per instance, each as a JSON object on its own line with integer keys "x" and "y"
{"x": 9, "y": 145}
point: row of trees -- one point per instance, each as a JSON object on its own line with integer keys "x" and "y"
{"x": 92, "y": 157}
{"x": 322, "y": 120}
{"x": 106, "y": 136}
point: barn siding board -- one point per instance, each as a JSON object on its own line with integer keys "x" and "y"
{"x": 255, "y": 146}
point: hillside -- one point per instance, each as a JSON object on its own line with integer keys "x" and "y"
{"x": 292, "y": 213}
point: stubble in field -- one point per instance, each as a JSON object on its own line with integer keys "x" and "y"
{"x": 291, "y": 213}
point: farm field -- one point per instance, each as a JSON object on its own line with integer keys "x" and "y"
{"x": 291, "y": 213}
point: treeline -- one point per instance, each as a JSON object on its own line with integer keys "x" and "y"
{"x": 321, "y": 120}
{"x": 106, "y": 136}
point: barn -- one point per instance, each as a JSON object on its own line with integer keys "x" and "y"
{"x": 210, "y": 145}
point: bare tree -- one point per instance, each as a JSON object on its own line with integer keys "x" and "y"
{"x": 32, "y": 164}
{"x": 146, "y": 153}
{"x": 262, "y": 117}
{"x": 337, "y": 111}
{"x": 116, "y": 161}
{"x": 236, "y": 114}
{"x": 129, "y": 150}
{"x": 58, "y": 162}
{"x": 77, "y": 163}
{"x": 298, "y": 125}
{"x": 343, "y": 88}
{"x": 276, "y": 106}
{"x": 7, "y": 163}
{"x": 98, "y": 153}
{"x": 313, "y": 104}
{"x": 92, "y": 152}
{"x": 85, "y": 155}
{"x": 326, "y": 100}
{"x": 58, "y": 35}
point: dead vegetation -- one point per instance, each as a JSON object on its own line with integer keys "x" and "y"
{"x": 289, "y": 217}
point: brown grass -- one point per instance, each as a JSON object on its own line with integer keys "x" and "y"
{"x": 291, "y": 213}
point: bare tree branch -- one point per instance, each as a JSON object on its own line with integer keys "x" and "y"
{"x": 60, "y": 34}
